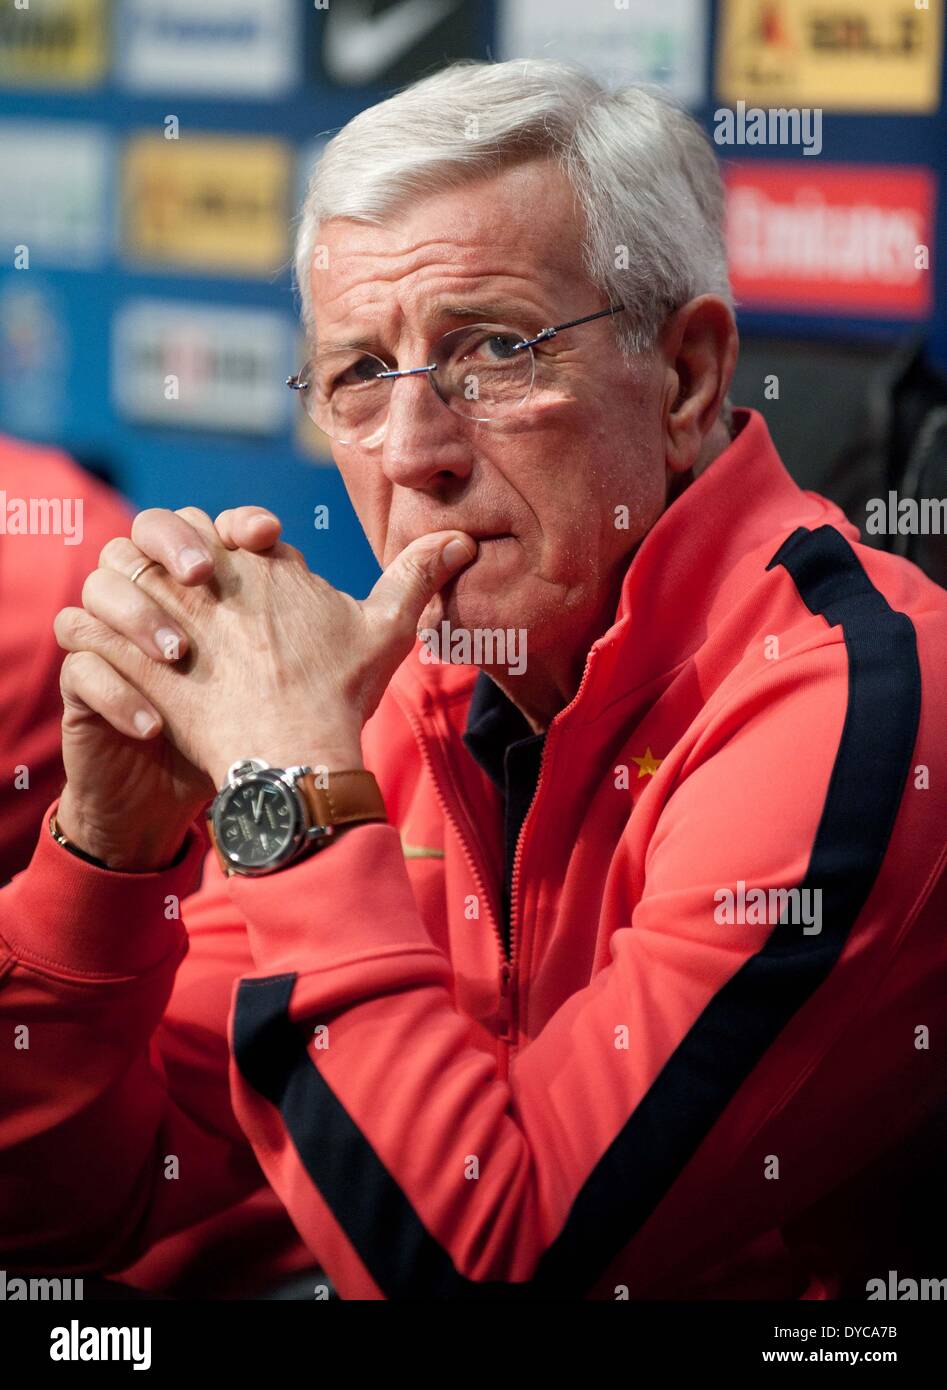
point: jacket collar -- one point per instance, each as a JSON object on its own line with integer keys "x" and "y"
{"x": 743, "y": 499}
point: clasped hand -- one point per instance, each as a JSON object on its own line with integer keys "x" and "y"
{"x": 230, "y": 647}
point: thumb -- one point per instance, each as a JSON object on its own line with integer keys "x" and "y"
{"x": 413, "y": 578}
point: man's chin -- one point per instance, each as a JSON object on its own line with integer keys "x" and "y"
{"x": 468, "y": 606}
{"x": 484, "y": 594}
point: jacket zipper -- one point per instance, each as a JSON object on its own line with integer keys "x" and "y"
{"x": 521, "y": 841}
{"x": 508, "y": 980}
{"x": 507, "y": 977}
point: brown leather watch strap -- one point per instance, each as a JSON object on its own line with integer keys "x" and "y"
{"x": 348, "y": 798}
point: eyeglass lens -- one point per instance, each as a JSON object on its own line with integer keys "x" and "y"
{"x": 478, "y": 371}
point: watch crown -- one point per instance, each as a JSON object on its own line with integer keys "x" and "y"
{"x": 241, "y": 768}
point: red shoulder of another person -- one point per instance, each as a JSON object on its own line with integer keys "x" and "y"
{"x": 54, "y": 520}
{"x": 42, "y": 485}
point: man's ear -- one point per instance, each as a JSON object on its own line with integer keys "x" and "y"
{"x": 699, "y": 346}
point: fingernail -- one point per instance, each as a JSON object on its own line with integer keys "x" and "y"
{"x": 169, "y": 643}
{"x": 190, "y": 557}
{"x": 145, "y": 723}
{"x": 263, "y": 516}
{"x": 456, "y": 553}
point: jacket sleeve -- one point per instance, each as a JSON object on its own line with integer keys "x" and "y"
{"x": 707, "y": 1084}
{"x": 116, "y": 1127}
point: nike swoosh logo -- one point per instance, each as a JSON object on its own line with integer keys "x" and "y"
{"x": 419, "y": 851}
{"x": 360, "y": 47}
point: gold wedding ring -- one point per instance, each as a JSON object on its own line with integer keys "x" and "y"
{"x": 145, "y": 565}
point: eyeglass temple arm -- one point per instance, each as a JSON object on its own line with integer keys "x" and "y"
{"x": 573, "y": 323}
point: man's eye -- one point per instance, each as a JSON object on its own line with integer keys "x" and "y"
{"x": 365, "y": 369}
{"x": 493, "y": 347}
{"x": 504, "y": 345}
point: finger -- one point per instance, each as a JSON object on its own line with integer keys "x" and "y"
{"x": 128, "y": 610}
{"x": 414, "y": 577}
{"x": 89, "y": 683}
{"x": 183, "y": 541}
{"x": 121, "y": 555}
{"x": 248, "y": 528}
{"x": 77, "y": 631}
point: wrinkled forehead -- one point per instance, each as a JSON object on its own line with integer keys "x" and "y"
{"x": 516, "y": 236}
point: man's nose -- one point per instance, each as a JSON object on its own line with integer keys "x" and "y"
{"x": 423, "y": 438}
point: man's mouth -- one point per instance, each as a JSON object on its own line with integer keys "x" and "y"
{"x": 491, "y": 545}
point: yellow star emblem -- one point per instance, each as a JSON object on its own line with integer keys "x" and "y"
{"x": 648, "y": 765}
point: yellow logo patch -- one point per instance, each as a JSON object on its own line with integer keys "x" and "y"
{"x": 206, "y": 202}
{"x": 841, "y": 55}
{"x": 60, "y": 43}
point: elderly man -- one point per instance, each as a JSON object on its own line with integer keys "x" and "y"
{"x": 609, "y": 970}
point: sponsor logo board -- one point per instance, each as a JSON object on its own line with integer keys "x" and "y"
{"x": 34, "y": 357}
{"x": 207, "y": 367}
{"x": 207, "y": 202}
{"x": 239, "y": 47}
{"x": 636, "y": 41}
{"x": 842, "y": 55}
{"x": 363, "y": 42}
{"x": 55, "y": 180}
{"x": 53, "y": 43}
{"x": 849, "y": 239}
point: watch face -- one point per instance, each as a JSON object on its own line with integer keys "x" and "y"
{"x": 256, "y": 823}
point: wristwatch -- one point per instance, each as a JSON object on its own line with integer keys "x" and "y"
{"x": 264, "y": 818}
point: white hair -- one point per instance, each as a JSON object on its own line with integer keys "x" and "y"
{"x": 646, "y": 179}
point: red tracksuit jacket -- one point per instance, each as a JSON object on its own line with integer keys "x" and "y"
{"x": 338, "y": 1063}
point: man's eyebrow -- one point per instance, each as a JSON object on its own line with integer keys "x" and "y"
{"x": 508, "y": 313}
{"x": 359, "y": 344}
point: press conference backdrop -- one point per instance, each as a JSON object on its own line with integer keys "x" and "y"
{"x": 153, "y": 154}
